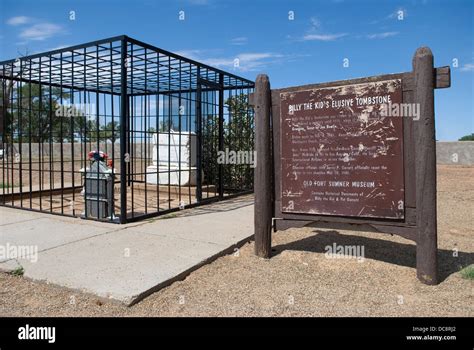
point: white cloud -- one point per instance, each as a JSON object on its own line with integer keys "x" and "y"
{"x": 218, "y": 62}
{"x": 242, "y": 40}
{"x": 468, "y": 67}
{"x": 191, "y": 54}
{"x": 14, "y": 21}
{"x": 245, "y": 61}
{"x": 199, "y": 2}
{"x": 316, "y": 23}
{"x": 40, "y": 31}
{"x": 252, "y": 61}
{"x": 257, "y": 56}
{"x": 323, "y": 37}
{"x": 393, "y": 15}
{"x": 381, "y": 35}
{"x": 314, "y": 33}
{"x": 59, "y": 47}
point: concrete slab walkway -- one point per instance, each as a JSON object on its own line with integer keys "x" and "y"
{"x": 123, "y": 262}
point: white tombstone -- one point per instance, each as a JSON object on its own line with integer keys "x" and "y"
{"x": 173, "y": 159}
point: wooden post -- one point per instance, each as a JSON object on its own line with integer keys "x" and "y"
{"x": 263, "y": 170}
{"x": 425, "y": 160}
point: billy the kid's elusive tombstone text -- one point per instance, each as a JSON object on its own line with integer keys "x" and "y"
{"x": 359, "y": 151}
{"x": 340, "y": 153}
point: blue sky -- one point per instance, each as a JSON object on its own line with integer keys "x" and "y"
{"x": 376, "y": 37}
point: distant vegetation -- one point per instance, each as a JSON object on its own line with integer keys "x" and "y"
{"x": 238, "y": 136}
{"x": 468, "y": 272}
{"x": 467, "y": 138}
{"x": 5, "y": 185}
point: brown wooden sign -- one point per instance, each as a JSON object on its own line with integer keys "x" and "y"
{"x": 341, "y": 153}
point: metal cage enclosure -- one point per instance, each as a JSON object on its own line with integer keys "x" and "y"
{"x": 118, "y": 130}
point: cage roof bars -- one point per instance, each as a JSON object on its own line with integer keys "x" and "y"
{"x": 97, "y": 67}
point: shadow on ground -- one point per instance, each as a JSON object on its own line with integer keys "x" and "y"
{"x": 225, "y": 205}
{"x": 379, "y": 249}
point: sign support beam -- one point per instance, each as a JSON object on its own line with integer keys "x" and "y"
{"x": 263, "y": 185}
{"x": 425, "y": 155}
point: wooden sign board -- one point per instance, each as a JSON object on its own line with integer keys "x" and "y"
{"x": 342, "y": 153}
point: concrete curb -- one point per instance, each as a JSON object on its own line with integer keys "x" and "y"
{"x": 187, "y": 272}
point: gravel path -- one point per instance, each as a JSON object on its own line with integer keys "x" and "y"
{"x": 299, "y": 280}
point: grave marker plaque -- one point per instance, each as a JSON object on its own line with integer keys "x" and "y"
{"x": 341, "y": 154}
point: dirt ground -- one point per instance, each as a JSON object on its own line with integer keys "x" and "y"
{"x": 299, "y": 280}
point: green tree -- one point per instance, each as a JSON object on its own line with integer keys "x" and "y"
{"x": 467, "y": 138}
{"x": 238, "y": 136}
{"x": 42, "y": 114}
{"x": 35, "y": 117}
{"x": 108, "y": 132}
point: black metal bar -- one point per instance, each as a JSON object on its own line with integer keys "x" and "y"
{"x": 240, "y": 131}
{"x": 145, "y": 138}
{"x": 61, "y": 136}
{"x": 40, "y": 137}
{"x": 69, "y": 48}
{"x": 210, "y": 84}
{"x": 112, "y": 210}
{"x": 203, "y": 89}
{"x": 72, "y": 126}
{"x": 221, "y": 134}
{"x": 123, "y": 134}
{"x": 97, "y": 131}
{"x": 179, "y": 138}
{"x": 131, "y": 127}
{"x": 20, "y": 134}
{"x": 51, "y": 157}
{"x": 30, "y": 177}
{"x": 130, "y": 120}
{"x": 157, "y": 129}
{"x": 198, "y": 142}
{"x": 11, "y": 182}
{"x": 85, "y": 136}
{"x": 170, "y": 106}
{"x": 4, "y": 128}
{"x": 42, "y": 211}
{"x": 190, "y": 137}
